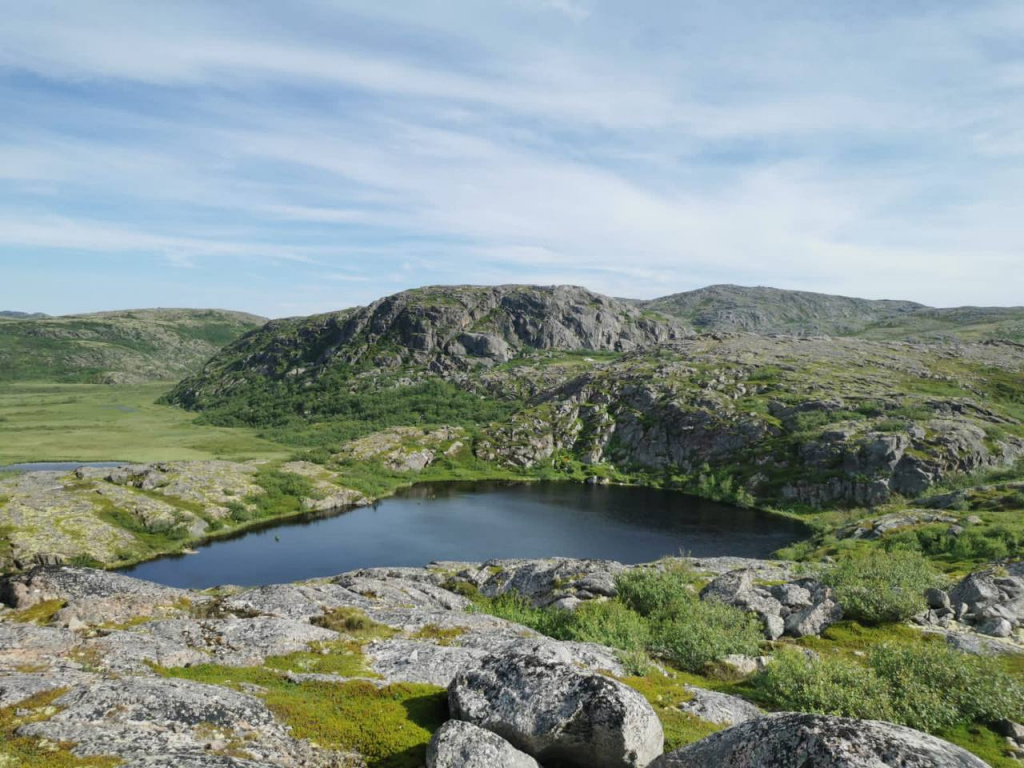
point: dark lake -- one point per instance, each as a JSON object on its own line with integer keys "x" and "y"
{"x": 476, "y": 522}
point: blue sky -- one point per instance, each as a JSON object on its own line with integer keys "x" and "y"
{"x": 290, "y": 158}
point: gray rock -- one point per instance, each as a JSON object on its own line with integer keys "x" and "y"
{"x": 774, "y": 627}
{"x": 78, "y": 584}
{"x": 814, "y": 619}
{"x": 719, "y": 708}
{"x": 937, "y": 599}
{"x": 556, "y": 713}
{"x": 458, "y": 744}
{"x": 996, "y": 627}
{"x": 802, "y": 741}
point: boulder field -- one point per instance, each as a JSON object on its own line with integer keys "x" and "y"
{"x": 101, "y": 664}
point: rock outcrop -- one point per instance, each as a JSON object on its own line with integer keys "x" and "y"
{"x": 798, "y": 741}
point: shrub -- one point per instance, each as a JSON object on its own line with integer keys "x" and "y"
{"x": 704, "y": 632}
{"x": 927, "y": 686}
{"x": 933, "y": 686}
{"x": 833, "y": 687}
{"x": 609, "y": 623}
{"x": 684, "y": 629}
{"x": 875, "y": 586}
{"x": 656, "y": 593}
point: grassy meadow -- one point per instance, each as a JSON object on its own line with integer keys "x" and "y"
{"x": 43, "y": 421}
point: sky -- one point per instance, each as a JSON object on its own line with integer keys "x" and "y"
{"x": 300, "y": 157}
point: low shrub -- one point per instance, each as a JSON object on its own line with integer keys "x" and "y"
{"x": 684, "y": 629}
{"x": 927, "y": 686}
{"x": 875, "y": 586}
{"x": 798, "y": 683}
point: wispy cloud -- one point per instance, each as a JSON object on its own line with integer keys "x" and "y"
{"x": 638, "y": 150}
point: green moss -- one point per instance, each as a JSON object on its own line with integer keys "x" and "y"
{"x": 390, "y": 726}
{"x": 665, "y": 693}
{"x": 40, "y": 613}
{"x": 344, "y": 659}
{"x": 440, "y": 635}
{"x": 24, "y": 752}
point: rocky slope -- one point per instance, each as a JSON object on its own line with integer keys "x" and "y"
{"x": 443, "y": 328}
{"x": 774, "y": 311}
{"x": 814, "y": 421}
{"x": 116, "y": 347}
{"x": 366, "y": 666}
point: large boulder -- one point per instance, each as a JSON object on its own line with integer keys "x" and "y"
{"x": 558, "y": 713}
{"x": 818, "y": 741}
{"x": 458, "y": 744}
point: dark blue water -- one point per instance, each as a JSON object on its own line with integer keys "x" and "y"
{"x": 479, "y": 521}
{"x": 57, "y": 466}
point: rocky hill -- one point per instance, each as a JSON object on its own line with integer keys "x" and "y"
{"x": 545, "y": 376}
{"x": 774, "y": 311}
{"x": 116, "y": 347}
{"x": 771, "y": 310}
{"x": 442, "y": 329}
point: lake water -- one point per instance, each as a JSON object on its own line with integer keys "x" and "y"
{"x": 57, "y": 466}
{"x": 477, "y": 522}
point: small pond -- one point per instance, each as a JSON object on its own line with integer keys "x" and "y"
{"x": 476, "y": 522}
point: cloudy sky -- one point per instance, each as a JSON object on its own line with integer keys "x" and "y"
{"x": 287, "y": 158}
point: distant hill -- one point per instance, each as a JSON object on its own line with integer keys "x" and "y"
{"x": 21, "y": 315}
{"x": 775, "y": 311}
{"x": 116, "y": 347}
{"x": 772, "y": 310}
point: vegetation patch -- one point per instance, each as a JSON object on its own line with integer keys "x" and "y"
{"x": 390, "y": 726}
{"x": 439, "y": 635}
{"x": 23, "y": 752}
{"x": 878, "y": 587}
{"x": 353, "y": 622}
{"x": 40, "y": 613}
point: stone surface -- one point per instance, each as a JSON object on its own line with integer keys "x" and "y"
{"x": 554, "y": 712}
{"x": 801, "y": 741}
{"x": 458, "y": 744}
{"x": 718, "y": 708}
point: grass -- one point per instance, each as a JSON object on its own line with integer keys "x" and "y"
{"x": 40, "y": 613}
{"x": 23, "y": 752}
{"x": 95, "y": 422}
{"x": 664, "y": 693}
{"x": 390, "y": 725}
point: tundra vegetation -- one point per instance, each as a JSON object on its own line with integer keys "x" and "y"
{"x": 898, "y": 439}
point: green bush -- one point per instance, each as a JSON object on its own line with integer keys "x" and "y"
{"x": 705, "y": 631}
{"x": 875, "y": 586}
{"x": 933, "y": 686}
{"x": 684, "y": 629}
{"x": 656, "y": 593}
{"x": 834, "y": 687}
{"x": 927, "y": 686}
{"x": 609, "y": 623}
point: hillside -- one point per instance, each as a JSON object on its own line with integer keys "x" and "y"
{"x": 21, "y": 315}
{"x": 774, "y": 311}
{"x": 550, "y": 378}
{"x": 116, "y": 347}
{"x": 440, "y": 330}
